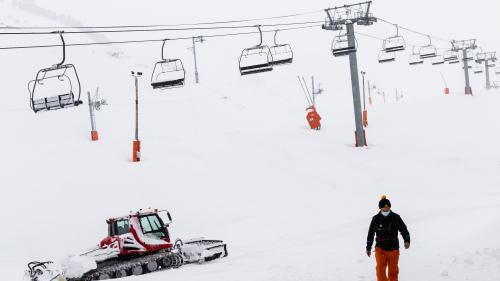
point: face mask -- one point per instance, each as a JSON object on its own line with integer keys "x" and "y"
{"x": 385, "y": 214}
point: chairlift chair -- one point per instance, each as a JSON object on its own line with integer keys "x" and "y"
{"x": 478, "y": 69}
{"x": 168, "y": 73}
{"x": 340, "y": 46}
{"x": 256, "y": 59}
{"x": 394, "y": 43}
{"x": 428, "y": 51}
{"x": 469, "y": 55}
{"x": 384, "y": 56}
{"x": 415, "y": 58}
{"x": 61, "y": 75}
{"x": 438, "y": 60}
{"x": 281, "y": 53}
{"x": 450, "y": 56}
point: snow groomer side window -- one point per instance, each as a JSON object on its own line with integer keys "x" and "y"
{"x": 151, "y": 225}
{"x": 119, "y": 227}
{"x": 123, "y": 227}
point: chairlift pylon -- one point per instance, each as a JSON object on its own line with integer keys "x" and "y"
{"x": 62, "y": 75}
{"x": 340, "y": 45}
{"x": 394, "y": 43}
{"x": 384, "y": 57}
{"x": 281, "y": 53}
{"x": 428, "y": 51}
{"x": 415, "y": 58}
{"x": 256, "y": 59}
{"x": 168, "y": 73}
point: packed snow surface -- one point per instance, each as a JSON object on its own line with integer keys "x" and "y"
{"x": 232, "y": 158}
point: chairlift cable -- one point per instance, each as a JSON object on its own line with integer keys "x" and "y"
{"x": 160, "y": 29}
{"x": 414, "y": 31}
{"x": 153, "y": 40}
{"x": 382, "y": 39}
{"x": 163, "y": 25}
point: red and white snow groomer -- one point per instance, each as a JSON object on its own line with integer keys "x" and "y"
{"x": 136, "y": 244}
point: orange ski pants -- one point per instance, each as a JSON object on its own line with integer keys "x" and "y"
{"x": 387, "y": 259}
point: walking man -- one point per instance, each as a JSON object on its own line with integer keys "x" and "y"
{"x": 386, "y": 225}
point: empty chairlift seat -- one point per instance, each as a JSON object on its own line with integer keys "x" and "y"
{"x": 55, "y": 87}
{"x": 281, "y": 53}
{"x": 469, "y": 55}
{"x": 450, "y": 56}
{"x": 415, "y": 58}
{"x": 384, "y": 56}
{"x": 168, "y": 73}
{"x": 438, "y": 60}
{"x": 428, "y": 51}
{"x": 478, "y": 69}
{"x": 341, "y": 47}
{"x": 394, "y": 43}
{"x": 256, "y": 59}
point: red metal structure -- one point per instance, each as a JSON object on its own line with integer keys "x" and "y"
{"x": 313, "y": 118}
{"x": 137, "y": 243}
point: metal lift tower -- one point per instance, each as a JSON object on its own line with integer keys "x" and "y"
{"x": 489, "y": 59}
{"x": 344, "y": 18}
{"x": 464, "y": 46}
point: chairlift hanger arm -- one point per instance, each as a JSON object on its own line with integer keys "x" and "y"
{"x": 163, "y": 48}
{"x": 63, "y": 47}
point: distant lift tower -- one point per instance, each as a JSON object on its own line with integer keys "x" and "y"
{"x": 489, "y": 60}
{"x": 340, "y": 19}
{"x": 198, "y": 39}
{"x": 466, "y": 47}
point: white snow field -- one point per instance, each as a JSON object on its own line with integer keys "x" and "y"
{"x": 233, "y": 158}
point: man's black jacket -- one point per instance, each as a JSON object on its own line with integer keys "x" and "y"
{"x": 386, "y": 229}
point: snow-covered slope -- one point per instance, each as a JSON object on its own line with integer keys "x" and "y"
{"x": 233, "y": 159}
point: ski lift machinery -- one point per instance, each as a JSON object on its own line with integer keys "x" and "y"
{"x": 394, "y": 43}
{"x": 61, "y": 75}
{"x": 281, "y": 53}
{"x": 168, "y": 73}
{"x": 256, "y": 59}
{"x": 428, "y": 51}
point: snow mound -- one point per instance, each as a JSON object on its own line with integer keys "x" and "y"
{"x": 76, "y": 266}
